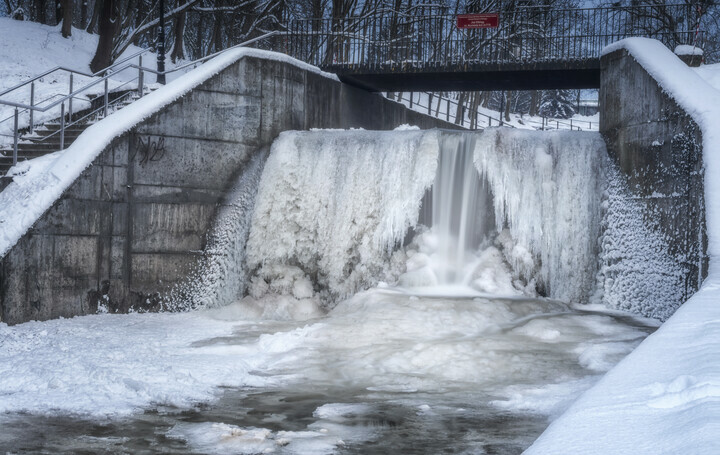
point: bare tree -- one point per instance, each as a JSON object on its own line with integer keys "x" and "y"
{"x": 67, "y": 17}
{"x": 108, "y": 27}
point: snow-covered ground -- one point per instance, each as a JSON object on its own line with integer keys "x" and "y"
{"x": 486, "y": 117}
{"x": 664, "y": 398}
{"x": 29, "y": 49}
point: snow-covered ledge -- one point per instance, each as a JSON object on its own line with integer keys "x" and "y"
{"x": 664, "y": 398}
{"x": 39, "y": 183}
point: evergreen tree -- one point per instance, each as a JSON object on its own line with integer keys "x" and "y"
{"x": 557, "y": 104}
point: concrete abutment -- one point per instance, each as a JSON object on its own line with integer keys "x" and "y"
{"x": 135, "y": 223}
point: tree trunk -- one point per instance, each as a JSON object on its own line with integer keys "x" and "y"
{"x": 460, "y": 112}
{"x": 67, "y": 19}
{"x": 40, "y": 13}
{"x": 200, "y": 36}
{"x": 58, "y": 11}
{"x": 107, "y": 29}
{"x": 178, "y": 52}
{"x": 83, "y": 13}
{"x": 95, "y": 16}
{"x": 507, "y": 106}
{"x": 534, "y": 103}
{"x": 217, "y": 33}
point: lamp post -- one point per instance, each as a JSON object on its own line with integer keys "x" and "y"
{"x": 161, "y": 45}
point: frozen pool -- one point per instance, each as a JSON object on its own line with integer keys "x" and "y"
{"x": 384, "y": 372}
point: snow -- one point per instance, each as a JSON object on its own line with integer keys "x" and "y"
{"x": 111, "y": 366}
{"x": 665, "y": 396}
{"x": 30, "y": 49}
{"x": 686, "y": 49}
{"x": 439, "y": 109}
{"x": 31, "y": 194}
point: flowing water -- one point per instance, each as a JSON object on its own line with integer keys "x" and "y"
{"x": 459, "y": 354}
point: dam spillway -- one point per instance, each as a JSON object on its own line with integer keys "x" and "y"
{"x": 343, "y": 322}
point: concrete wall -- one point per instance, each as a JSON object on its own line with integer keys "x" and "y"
{"x": 659, "y": 148}
{"x": 135, "y": 222}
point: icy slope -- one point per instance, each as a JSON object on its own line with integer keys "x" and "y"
{"x": 664, "y": 398}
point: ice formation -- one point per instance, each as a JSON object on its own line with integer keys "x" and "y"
{"x": 334, "y": 208}
{"x": 546, "y": 192}
{"x": 636, "y": 272}
{"x": 333, "y": 205}
{"x": 220, "y": 277}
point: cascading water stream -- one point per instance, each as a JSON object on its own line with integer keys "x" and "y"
{"x": 460, "y": 208}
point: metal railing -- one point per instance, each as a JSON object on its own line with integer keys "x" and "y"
{"x": 429, "y": 39}
{"x": 65, "y": 101}
{"x": 469, "y": 116}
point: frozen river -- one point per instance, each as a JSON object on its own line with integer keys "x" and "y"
{"x": 384, "y": 372}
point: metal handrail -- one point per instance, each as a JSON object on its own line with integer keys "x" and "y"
{"x": 73, "y": 71}
{"x": 109, "y": 72}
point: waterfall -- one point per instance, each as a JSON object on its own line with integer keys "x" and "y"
{"x": 498, "y": 212}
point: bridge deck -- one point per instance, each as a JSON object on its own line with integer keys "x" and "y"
{"x": 581, "y": 74}
{"x": 532, "y": 48}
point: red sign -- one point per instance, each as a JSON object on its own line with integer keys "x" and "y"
{"x": 478, "y": 20}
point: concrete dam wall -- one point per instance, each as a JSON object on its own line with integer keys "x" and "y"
{"x": 134, "y": 224}
{"x": 137, "y": 222}
{"x": 658, "y": 148}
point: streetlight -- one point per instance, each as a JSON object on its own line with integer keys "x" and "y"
{"x": 161, "y": 45}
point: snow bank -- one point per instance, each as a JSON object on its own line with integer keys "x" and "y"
{"x": 29, "y": 196}
{"x": 665, "y": 396}
{"x": 685, "y": 49}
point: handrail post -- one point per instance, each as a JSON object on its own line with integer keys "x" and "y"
{"x": 62, "y": 126}
{"x": 141, "y": 82}
{"x": 15, "y": 138}
{"x": 106, "y": 99}
{"x": 70, "y": 109}
{"x": 32, "y": 104}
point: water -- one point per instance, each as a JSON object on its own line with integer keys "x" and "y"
{"x": 384, "y": 372}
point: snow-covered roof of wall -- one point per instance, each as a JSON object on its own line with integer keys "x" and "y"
{"x": 38, "y": 183}
{"x": 686, "y": 49}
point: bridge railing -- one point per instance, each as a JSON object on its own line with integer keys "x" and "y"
{"x": 429, "y": 39}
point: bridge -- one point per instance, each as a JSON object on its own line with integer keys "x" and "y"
{"x": 532, "y": 48}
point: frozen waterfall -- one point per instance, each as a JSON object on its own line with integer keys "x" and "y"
{"x": 511, "y": 212}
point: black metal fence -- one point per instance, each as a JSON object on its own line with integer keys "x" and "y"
{"x": 428, "y": 38}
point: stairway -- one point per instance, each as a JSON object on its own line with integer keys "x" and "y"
{"x": 45, "y": 138}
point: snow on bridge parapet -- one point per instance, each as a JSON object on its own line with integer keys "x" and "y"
{"x": 122, "y": 215}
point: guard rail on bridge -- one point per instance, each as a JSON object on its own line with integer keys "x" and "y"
{"x": 532, "y": 47}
